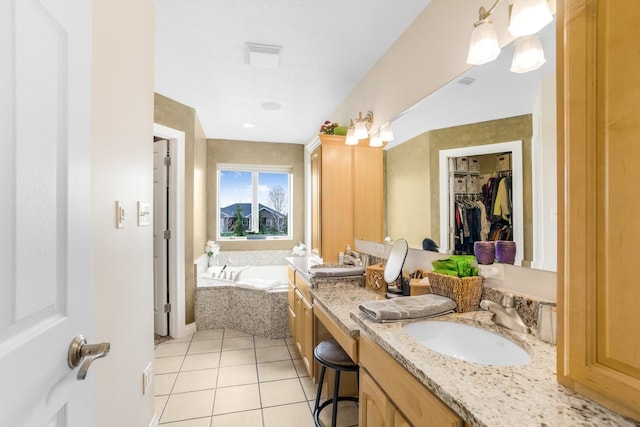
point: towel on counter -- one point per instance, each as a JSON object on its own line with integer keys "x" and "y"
{"x": 428, "y": 305}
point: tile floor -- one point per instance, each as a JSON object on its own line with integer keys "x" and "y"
{"x": 226, "y": 378}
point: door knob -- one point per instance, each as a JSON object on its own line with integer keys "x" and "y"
{"x": 81, "y": 352}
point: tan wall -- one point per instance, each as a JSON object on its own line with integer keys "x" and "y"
{"x": 259, "y": 153}
{"x": 408, "y": 195}
{"x": 121, "y": 169}
{"x": 181, "y": 117}
{"x": 412, "y": 169}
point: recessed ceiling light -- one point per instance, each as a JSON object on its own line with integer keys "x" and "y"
{"x": 248, "y": 125}
{"x": 271, "y": 106}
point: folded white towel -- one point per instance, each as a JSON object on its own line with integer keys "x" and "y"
{"x": 429, "y": 305}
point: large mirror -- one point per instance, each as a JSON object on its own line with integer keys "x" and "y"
{"x": 489, "y": 104}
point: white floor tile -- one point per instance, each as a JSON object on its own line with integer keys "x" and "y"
{"x": 236, "y": 399}
{"x": 232, "y": 333}
{"x": 237, "y": 357}
{"x": 197, "y": 422}
{"x": 194, "y": 362}
{"x": 310, "y": 389}
{"x": 207, "y": 346}
{"x": 159, "y": 403}
{"x": 237, "y": 375}
{"x": 293, "y": 350}
{"x": 240, "y": 343}
{"x": 301, "y": 368}
{"x": 272, "y": 354}
{"x": 239, "y": 419}
{"x": 203, "y": 379}
{"x": 268, "y": 342}
{"x": 347, "y": 415}
{"x": 296, "y": 415}
{"x": 163, "y": 383}
{"x": 184, "y": 406}
{"x": 186, "y": 338}
{"x": 165, "y": 365}
{"x": 272, "y": 371}
{"x": 282, "y": 392}
{"x": 209, "y": 334}
{"x": 197, "y": 384}
{"x": 167, "y": 349}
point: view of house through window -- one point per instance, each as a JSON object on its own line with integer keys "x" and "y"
{"x": 254, "y": 202}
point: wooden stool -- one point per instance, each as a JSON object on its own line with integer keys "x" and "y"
{"x": 329, "y": 354}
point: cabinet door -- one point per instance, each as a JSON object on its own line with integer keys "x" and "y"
{"x": 598, "y": 345}
{"x": 337, "y": 200}
{"x": 307, "y": 340}
{"x": 374, "y": 404}
{"x": 291, "y": 310}
{"x": 298, "y": 329}
{"x": 367, "y": 193}
{"x": 398, "y": 419}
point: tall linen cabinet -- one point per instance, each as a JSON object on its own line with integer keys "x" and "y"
{"x": 599, "y": 190}
{"x": 346, "y": 195}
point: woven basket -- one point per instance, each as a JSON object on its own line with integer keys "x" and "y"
{"x": 465, "y": 291}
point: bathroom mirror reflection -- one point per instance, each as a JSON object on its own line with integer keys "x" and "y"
{"x": 489, "y": 104}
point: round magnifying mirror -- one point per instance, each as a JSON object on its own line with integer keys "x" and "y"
{"x": 393, "y": 268}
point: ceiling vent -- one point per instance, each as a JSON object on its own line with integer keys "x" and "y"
{"x": 466, "y": 81}
{"x": 263, "y": 55}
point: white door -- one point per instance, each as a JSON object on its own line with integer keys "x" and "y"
{"x": 160, "y": 244}
{"x": 45, "y": 107}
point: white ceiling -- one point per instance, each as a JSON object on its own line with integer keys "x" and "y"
{"x": 327, "y": 48}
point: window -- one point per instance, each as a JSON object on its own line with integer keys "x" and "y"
{"x": 254, "y": 202}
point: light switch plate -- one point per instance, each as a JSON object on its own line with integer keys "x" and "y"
{"x": 119, "y": 214}
{"x": 144, "y": 214}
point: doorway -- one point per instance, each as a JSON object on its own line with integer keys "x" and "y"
{"x": 175, "y": 266}
{"x": 161, "y": 236}
{"x": 447, "y": 191}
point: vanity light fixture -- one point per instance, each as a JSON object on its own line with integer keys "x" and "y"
{"x": 351, "y": 136}
{"x": 375, "y": 140}
{"x": 528, "y": 54}
{"x": 386, "y": 133}
{"x": 527, "y": 18}
{"x": 362, "y": 125}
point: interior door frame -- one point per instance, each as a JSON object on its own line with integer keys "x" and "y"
{"x": 515, "y": 147}
{"x": 176, "y": 138}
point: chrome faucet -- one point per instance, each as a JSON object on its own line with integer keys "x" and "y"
{"x": 505, "y": 314}
{"x": 224, "y": 267}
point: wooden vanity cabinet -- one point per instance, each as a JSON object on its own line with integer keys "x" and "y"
{"x": 404, "y": 401}
{"x": 376, "y": 409}
{"x": 599, "y": 172}
{"x": 301, "y": 321}
{"x": 346, "y": 195}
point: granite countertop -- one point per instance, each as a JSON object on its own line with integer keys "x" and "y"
{"x": 340, "y": 302}
{"x": 482, "y": 395}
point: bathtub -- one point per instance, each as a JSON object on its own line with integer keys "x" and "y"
{"x": 252, "y": 299}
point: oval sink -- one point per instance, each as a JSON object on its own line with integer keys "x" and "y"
{"x": 467, "y": 343}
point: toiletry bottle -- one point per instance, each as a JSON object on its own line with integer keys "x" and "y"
{"x": 341, "y": 258}
{"x": 348, "y": 250}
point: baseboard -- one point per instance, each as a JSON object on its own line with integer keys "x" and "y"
{"x": 154, "y": 421}
{"x": 190, "y": 329}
